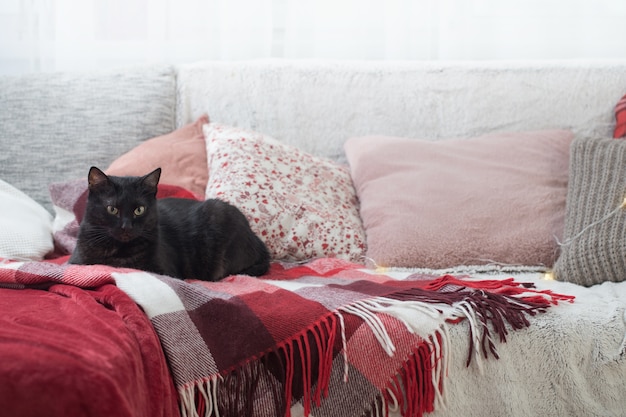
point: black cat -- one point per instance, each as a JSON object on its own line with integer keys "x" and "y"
{"x": 126, "y": 226}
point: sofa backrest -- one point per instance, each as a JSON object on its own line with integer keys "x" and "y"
{"x": 318, "y": 105}
{"x": 53, "y": 127}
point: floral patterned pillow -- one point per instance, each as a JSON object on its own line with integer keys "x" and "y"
{"x": 302, "y": 206}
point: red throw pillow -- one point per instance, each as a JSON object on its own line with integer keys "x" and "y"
{"x": 620, "y": 119}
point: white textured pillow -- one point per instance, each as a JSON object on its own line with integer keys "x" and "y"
{"x": 302, "y": 206}
{"x": 25, "y": 226}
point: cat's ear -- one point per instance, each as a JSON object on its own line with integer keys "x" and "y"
{"x": 152, "y": 179}
{"x": 97, "y": 179}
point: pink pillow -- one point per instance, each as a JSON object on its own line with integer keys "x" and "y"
{"x": 181, "y": 154}
{"x": 302, "y": 206}
{"x": 498, "y": 198}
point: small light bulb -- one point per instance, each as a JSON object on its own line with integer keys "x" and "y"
{"x": 548, "y": 275}
{"x": 381, "y": 269}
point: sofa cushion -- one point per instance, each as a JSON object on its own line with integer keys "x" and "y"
{"x": 302, "y": 206}
{"x": 25, "y": 226}
{"x": 493, "y": 199}
{"x": 181, "y": 155}
{"x": 593, "y": 249}
{"x": 55, "y": 126}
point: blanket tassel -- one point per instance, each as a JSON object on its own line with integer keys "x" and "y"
{"x": 242, "y": 391}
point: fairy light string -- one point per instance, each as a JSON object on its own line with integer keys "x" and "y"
{"x": 549, "y": 274}
{"x": 589, "y": 226}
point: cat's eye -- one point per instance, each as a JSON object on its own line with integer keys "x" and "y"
{"x": 112, "y": 210}
{"x": 139, "y": 211}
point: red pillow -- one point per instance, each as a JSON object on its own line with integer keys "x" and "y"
{"x": 620, "y": 119}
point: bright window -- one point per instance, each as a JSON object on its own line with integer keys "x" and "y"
{"x": 49, "y": 35}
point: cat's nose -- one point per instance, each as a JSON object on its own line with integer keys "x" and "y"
{"x": 127, "y": 225}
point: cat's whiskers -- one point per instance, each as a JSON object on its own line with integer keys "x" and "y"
{"x": 99, "y": 235}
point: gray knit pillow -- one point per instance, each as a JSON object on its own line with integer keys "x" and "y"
{"x": 594, "y": 242}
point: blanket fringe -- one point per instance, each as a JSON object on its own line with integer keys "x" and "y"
{"x": 485, "y": 304}
{"x": 242, "y": 391}
{"x": 301, "y": 367}
{"x": 415, "y": 377}
{"x": 488, "y": 306}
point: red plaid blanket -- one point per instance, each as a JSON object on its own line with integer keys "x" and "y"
{"x": 327, "y": 337}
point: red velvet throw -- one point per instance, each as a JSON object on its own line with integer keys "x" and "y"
{"x": 69, "y": 351}
{"x": 327, "y": 336}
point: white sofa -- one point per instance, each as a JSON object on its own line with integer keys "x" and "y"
{"x": 569, "y": 361}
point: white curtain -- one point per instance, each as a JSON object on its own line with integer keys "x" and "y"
{"x": 52, "y": 35}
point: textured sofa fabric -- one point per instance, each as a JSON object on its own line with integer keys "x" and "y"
{"x": 53, "y": 127}
{"x": 317, "y": 105}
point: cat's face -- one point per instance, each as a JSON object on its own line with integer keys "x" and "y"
{"x": 122, "y": 208}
